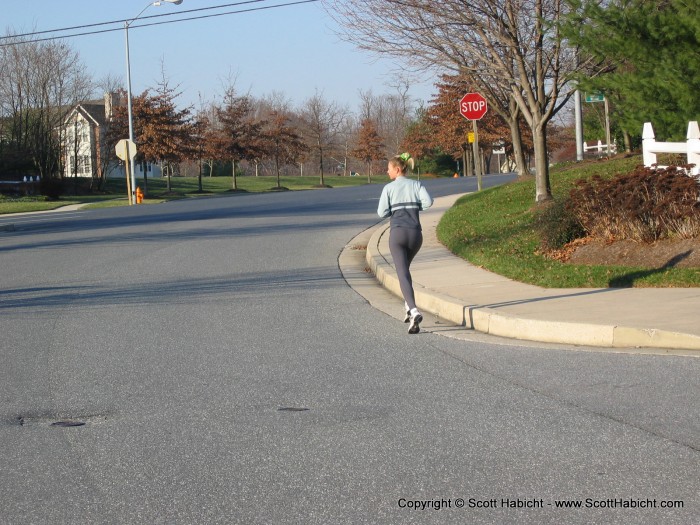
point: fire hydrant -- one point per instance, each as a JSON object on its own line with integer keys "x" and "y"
{"x": 139, "y": 195}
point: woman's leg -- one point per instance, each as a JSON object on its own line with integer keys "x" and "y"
{"x": 404, "y": 244}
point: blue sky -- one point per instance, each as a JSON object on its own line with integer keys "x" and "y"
{"x": 292, "y": 49}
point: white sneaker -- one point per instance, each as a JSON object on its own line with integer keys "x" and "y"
{"x": 415, "y": 320}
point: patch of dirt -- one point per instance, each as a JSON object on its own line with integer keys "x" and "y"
{"x": 675, "y": 253}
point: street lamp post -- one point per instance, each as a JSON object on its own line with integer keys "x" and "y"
{"x": 127, "y": 23}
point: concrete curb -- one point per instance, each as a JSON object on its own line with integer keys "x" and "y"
{"x": 493, "y": 322}
{"x": 443, "y": 306}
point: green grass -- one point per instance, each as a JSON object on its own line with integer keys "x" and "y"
{"x": 27, "y": 205}
{"x": 115, "y": 191}
{"x": 494, "y": 229}
{"x": 32, "y": 204}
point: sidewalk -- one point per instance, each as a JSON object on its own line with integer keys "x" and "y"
{"x": 459, "y": 292}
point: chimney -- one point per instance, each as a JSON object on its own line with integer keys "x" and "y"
{"x": 111, "y": 101}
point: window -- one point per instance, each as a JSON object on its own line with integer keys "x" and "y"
{"x": 84, "y": 165}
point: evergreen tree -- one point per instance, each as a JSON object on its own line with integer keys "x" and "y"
{"x": 651, "y": 50}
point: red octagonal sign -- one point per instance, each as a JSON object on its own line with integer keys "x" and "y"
{"x": 473, "y": 106}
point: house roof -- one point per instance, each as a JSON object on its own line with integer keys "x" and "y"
{"x": 94, "y": 110}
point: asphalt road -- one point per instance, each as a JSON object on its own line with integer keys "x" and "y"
{"x": 221, "y": 371}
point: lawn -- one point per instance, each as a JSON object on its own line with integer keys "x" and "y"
{"x": 115, "y": 192}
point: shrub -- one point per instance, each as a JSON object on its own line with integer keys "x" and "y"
{"x": 51, "y": 188}
{"x": 644, "y": 205}
{"x": 557, "y": 225}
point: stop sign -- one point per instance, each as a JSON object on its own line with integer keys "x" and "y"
{"x": 125, "y": 149}
{"x": 473, "y": 106}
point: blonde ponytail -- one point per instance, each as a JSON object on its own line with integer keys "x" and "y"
{"x": 404, "y": 161}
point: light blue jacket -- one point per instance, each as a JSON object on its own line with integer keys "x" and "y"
{"x": 401, "y": 200}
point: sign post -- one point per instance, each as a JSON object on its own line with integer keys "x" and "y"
{"x": 594, "y": 97}
{"x": 600, "y": 97}
{"x": 126, "y": 151}
{"x": 473, "y": 106}
{"x": 498, "y": 149}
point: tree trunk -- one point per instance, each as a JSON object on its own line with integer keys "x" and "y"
{"x": 277, "y": 170}
{"x": 320, "y": 152}
{"x": 144, "y": 167}
{"x": 518, "y": 151}
{"x": 543, "y": 190}
{"x": 233, "y": 172}
{"x": 465, "y": 161}
{"x": 469, "y": 162}
{"x": 628, "y": 141}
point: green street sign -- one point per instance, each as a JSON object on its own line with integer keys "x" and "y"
{"x": 595, "y": 97}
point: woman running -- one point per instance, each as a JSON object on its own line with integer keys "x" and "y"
{"x": 402, "y": 200}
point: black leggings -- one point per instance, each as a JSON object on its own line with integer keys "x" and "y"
{"x": 404, "y": 244}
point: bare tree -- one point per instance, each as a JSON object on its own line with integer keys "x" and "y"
{"x": 110, "y": 84}
{"x": 397, "y": 114}
{"x": 275, "y": 101}
{"x": 512, "y": 44}
{"x": 368, "y": 104}
{"x": 390, "y": 113}
{"x": 346, "y": 134}
{"x": 39, "y": 84}
{"x": 322, "y": 120}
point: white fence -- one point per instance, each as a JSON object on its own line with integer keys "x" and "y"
{"x": 690, "y": 148}
{"x": 600, "y": 148}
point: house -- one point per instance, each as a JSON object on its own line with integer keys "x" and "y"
{"x": 85, "y": 148}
